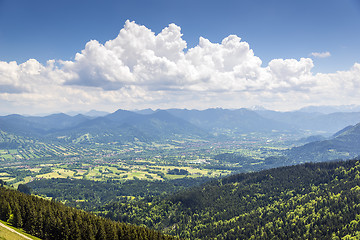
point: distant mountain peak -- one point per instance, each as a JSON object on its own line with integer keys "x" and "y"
{"x": 58, "y": 115}
{"x": 162, "y": 114}
{"x": 96, "y": 113}
{"x": 145, "y": 111}
{"x": 257, "y": 108}
{"x": 120, "y": 114}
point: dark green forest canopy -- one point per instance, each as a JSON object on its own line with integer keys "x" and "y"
{"x": 308, "y": 201}
{"x": 52, "y": 220}
{"x": 90, "y": 195}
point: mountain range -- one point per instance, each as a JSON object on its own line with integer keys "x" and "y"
{"x": 259, "y": 120}
{"x": 120, "y": 126}
{"x": 148, "y": 125}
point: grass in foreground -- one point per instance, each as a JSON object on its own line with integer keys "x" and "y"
{"x": 6, "y": 234}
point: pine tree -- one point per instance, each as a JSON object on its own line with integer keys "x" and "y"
{"x": 5, "y": 210}
{"x": 15, "y": 218}
{"x": 110, "y": 230}
{"x": 100, "y": 234}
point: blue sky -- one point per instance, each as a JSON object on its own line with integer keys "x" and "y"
{"x": 276, "y": 29}
{"x": 44, "y": 30}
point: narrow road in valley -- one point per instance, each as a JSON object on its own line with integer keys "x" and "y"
{"x": 12, "y": 230}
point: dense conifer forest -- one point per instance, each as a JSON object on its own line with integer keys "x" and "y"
{"x": 308, "y": 201}
{"x": 90, "y": 195}
{"x": 52, "y": 220}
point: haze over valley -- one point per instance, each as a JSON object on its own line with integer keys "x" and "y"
{"x": 179, "y": 119}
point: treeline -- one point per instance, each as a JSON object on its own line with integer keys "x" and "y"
{"x": 53, "y": 220}
{"x": 249, "y": 164}
{"x": 9, "y": 145}
{"x": 308, "y": 201}
{"x": 18, "y": 174}
{"x": 232, "y": 158}
{"x": 177, "y": 171}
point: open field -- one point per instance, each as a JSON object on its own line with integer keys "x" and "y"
{"x": 102, "y": 171}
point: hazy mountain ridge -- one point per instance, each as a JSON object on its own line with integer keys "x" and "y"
{"x": 40, "y": 125}
{"x": 119, "y": 126}
{"x": 148, "y": 125}
{"x": 242, "y": 120}
{"x": 330, "y": 109}
{"x": 314, "y": 121}
{"x": 344, "y": 144}
{"x": 260, "y": 119}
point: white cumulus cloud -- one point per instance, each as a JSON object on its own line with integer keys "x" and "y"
{"x": 142, "y": 69}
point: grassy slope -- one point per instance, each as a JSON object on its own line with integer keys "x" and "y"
{"x": 6, "y": 234}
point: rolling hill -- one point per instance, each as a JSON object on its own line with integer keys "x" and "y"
{"x": 344, "y": 144}
{"x": 309, "y": 201}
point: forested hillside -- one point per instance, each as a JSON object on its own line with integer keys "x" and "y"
{"x": 52, "y": 220}
{"x": 90, "y": 195}
{"x": 309, "y": 201}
